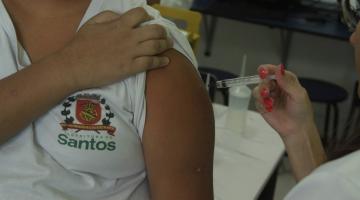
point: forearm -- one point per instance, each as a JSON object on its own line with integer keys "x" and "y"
{"x": 305, "y": 151}
{"x": 29, "y": 93}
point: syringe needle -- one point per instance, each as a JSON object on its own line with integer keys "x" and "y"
{"x": 247, "y": 80}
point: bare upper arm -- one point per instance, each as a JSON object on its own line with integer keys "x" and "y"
{"x": 178, "y": 138}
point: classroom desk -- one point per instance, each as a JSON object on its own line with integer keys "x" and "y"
{"x": 320, "y": 20}
{"x": 244, "y": 163}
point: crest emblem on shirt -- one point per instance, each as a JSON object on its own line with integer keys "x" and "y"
{"x": 88, "y": 114}
{"x": 88, "y": 111}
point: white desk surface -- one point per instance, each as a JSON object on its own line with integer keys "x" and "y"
{"x": 243, "y": 164}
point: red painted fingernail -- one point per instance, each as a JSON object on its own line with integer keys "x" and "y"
{"x": 268, "y": 102}
{"x": 269, "y": 109}
{"x": 282, "y": 69}
{"x": 264, "y": 92}
{"x": 263, "y": 73}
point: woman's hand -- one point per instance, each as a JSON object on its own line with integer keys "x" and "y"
{"x": 283, "y": 102}
{"x": 111, "y": 47}
{"x": 285, "y": 105}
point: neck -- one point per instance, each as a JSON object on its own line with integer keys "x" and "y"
{"x": 48, "y": 8}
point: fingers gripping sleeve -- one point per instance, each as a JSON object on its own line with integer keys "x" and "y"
{"x": 137, "y": 84}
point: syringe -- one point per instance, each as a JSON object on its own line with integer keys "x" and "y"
{"x": 246, "y": 80}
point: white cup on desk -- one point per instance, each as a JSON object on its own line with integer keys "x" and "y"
{"x": 239, "y": 98}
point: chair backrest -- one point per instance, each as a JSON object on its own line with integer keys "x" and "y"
{"x": 190, "y": 19}
{"x": 220, "y": 75}
{"x": 210, "y": 83}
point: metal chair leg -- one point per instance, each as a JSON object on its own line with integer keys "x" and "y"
{"x": 348, "y": 124}
{"x": 226, "y": 96}
{"x": 286, "y": 37}
{"x": 326, "y": 125}
{"x": 336, "y": 122}
{"x": 210, "y": 28}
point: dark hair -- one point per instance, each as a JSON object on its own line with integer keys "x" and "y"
{"x": 345, "y": 147}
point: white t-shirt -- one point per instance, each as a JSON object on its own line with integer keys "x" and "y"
{"x": 88, "y": 146}
{"x": 336, "y": 180}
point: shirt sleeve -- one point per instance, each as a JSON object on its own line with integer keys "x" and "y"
{"x": 181, "y": 43}
{"x": 137, "y": 84}
{"x": 324, "y": 185}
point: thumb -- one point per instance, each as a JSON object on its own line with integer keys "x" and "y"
{"x": 287, "y": 80}
{"x": 103, "y": 17}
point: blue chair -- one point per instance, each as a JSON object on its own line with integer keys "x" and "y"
{"x": 220, "y": 75}
{"x": 329, "y": 94}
